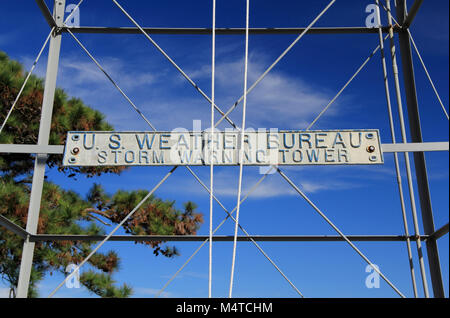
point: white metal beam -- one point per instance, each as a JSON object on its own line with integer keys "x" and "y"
{"x": 415, "y": 147}
{"x": 41, "y": 149}
{"x": 40, "y": 163}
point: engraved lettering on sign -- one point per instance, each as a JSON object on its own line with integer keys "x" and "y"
{"x": 293, "y": 147}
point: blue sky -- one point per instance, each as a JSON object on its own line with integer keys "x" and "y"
{"x": 359, "y": 200}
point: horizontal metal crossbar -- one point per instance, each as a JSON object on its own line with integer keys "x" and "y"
{"x": 224, "y": 238}
{"x": 48, "y": 149}
{"x": 398, "y": 147}
{"x": 218, "y": 238}
{"x": 223, "y": 31}
{"x": 416, "y": 147}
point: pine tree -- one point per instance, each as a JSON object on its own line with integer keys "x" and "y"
{"x": 64, "y": 211}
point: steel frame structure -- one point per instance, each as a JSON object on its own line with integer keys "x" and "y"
{"x": 416, "y": 145}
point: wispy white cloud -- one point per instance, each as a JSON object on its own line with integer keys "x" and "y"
{"x": 279, "y": 100}
{"x": 226, "y": 182}
{"x": 81, "y": 78}
{"x": 81, "y": 72}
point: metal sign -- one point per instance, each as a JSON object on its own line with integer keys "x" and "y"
{"x": 262, "y": 147}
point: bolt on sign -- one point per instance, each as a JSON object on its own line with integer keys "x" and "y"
{"x": 261, "y": 148}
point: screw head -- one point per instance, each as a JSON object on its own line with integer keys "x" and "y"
{"x": 370, "y": 149}
{"x": 75, "y": 150}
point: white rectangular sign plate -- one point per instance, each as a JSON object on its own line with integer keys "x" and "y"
{"x": 262, "y": 147}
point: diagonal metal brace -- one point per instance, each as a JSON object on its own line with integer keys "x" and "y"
{"x": 46, "y": 13}
{"x": 13, "y": 227}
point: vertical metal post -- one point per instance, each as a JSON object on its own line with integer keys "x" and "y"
{"x": 39, "y": 167}
{"x": 419, "y": 157}
{"x": 407, "y": 163}
{"x": 397, "y": 166}
{"x": 406, "y": 158}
